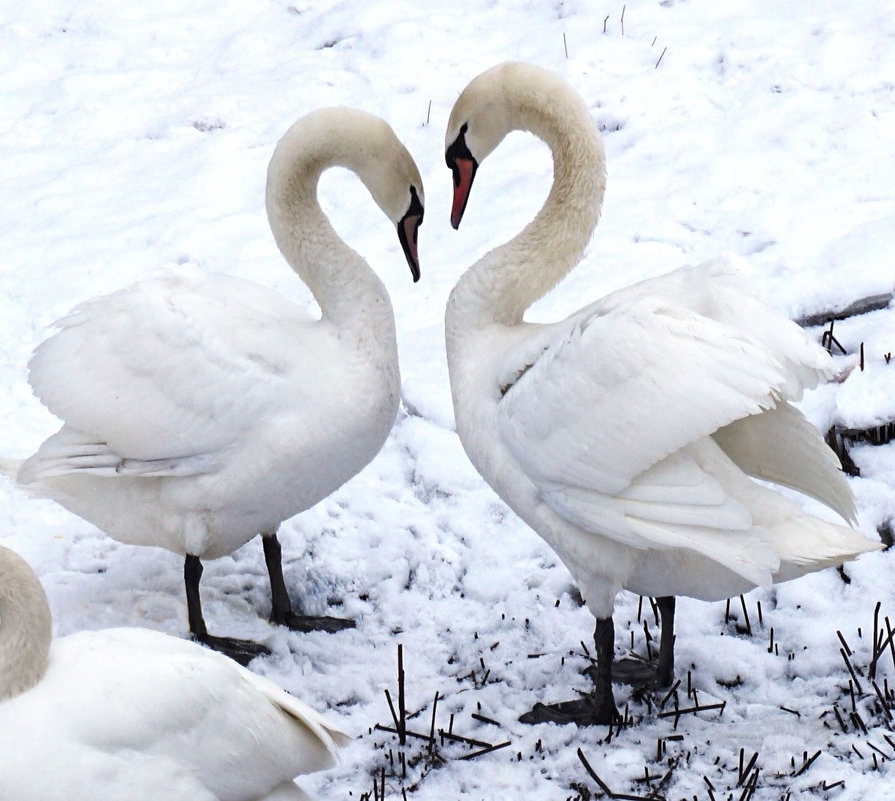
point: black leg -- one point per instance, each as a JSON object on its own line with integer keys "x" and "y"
{"x": 640, "y": 673}
{"x": 665, "y": 665}
{"x": 281, "y": 605}
{"x": 192, "y": 573}
{"x": 604, "y": 641}
{"x": 242, "y": 651}
{"x": 595, "y": 708}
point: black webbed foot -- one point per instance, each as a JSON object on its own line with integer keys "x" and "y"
{"x": 281, "y": 605}
{"x": 589, "y": 710}
{"x": 241, "y": 651}
{"x": 305, "y": 623}
{"x": 636, "y": 673}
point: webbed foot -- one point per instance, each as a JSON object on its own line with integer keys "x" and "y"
{"x": 307, "y": 623}
{"x": 242, "y": 651}
{"x": 589, "y": 710}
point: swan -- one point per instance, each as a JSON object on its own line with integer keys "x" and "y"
{"x": 200, "y": 410}
{"x": 625, "y": 434}
{"x": 137, "y": 714}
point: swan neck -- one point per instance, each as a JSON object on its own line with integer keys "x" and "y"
{"x": 510, "y": 278}
{"x": 25, "y": 626}
{"x": 348, "y": 292}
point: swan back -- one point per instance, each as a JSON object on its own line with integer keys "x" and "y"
{"x": 140, "y": 714}
{"x": 25, "y": 626}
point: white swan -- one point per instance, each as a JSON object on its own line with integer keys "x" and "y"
{"x": 136, "y": 714}
{"x": 624, "y": 434}
{"x": 200, "y": 410}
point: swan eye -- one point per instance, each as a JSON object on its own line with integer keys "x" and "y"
{"x": 459, "y": 150}
{"x": 416, "y": 205}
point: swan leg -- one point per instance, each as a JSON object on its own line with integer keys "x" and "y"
{"x": 281, "y": 605}
{"x": 594, "y": 708}
{"x": 640, "y": 673}
{"x": 665, "y": 665}
{"x": 242, "y": 651}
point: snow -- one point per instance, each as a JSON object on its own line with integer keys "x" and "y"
{"x": 867, "y": 397}
{"x": 136, "y": 137}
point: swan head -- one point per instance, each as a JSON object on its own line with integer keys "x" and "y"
{"x": 463, "y": 166}
{"x": 492, "y": 104}
{"x": 509, "y": 97}
{"x": 395, "y": 184}
{"x": 392, "y": 178}
{"x": 479, "y": 121}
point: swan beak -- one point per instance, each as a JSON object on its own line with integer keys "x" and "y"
{"x": 408, "y": 229}
{"x": 464, "y": 172}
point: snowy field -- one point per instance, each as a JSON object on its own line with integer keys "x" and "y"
{"x": 135, "y": 136}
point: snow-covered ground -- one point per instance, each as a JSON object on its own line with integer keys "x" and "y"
{"x": 135, "y": 136}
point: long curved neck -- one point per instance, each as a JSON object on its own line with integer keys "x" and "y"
{"x": 507, "y": 280}
{"x": 349, "y": 293}
{"x": 25, "y": 626}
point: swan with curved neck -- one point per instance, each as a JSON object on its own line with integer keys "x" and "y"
{"x": 136, "y": 714}
{"x": 200, "y": 410}
{"x": 626, "y": 434}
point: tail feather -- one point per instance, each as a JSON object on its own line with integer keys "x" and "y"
{"x": 804, "y": 543}
{"x": 781, "y": 446}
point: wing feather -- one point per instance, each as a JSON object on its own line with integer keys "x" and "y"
{"x": 718, "y": 289}
{"x": 668, "y": 378}
{"x": 636, "y": 365}
{"x": 168, "y": 369}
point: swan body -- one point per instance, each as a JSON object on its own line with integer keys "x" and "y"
{"x": 626, "y": 434}
{"x": 137, "y": 714}
{"x": 200, "y": 410}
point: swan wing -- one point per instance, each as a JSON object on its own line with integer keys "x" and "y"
{"x": 719, "y": 289}
{"x": 611, "y": 394}
{"x": 729, "y": 298}
{"x": 196, "y": 705}
{"x": 166, "y": 373}
{"x": 612, "y": 423}
{"x": 73, "y": 451}
{"x": 686, "y": 501}
{"x": 778, "y": 445}
{"x": 329, "y": 736}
